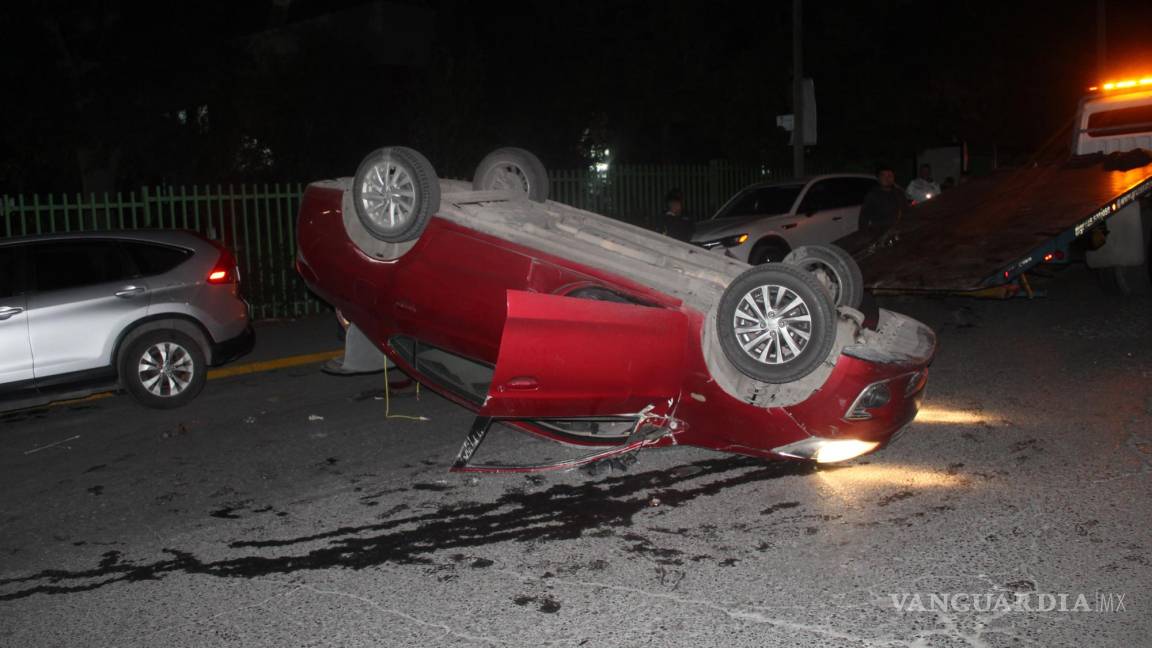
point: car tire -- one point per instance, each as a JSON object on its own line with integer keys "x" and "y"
{"x": 512, "y": 169}
{"x": 741, "y": 324}
{"x": 769, "y": 251}
{"x": 395, "y": 192}
{"x": 142, "y": 370}
{"x": 834, "y": 268}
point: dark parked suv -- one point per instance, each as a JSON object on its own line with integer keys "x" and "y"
{"x": 148, "y": 311}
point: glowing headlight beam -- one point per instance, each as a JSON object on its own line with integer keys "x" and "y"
{"x": 951, "y": 416}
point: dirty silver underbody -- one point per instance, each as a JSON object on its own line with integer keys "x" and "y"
{"x": 695, "y": 276}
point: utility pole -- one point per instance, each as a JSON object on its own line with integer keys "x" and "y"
{"x": 798, "y": 89}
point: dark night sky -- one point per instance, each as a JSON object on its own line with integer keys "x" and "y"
{"x": 298, "y": 89}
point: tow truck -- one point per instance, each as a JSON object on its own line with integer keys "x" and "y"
{"x": 1086, "y": 193}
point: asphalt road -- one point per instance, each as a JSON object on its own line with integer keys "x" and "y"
{"x": 284, "y": 509}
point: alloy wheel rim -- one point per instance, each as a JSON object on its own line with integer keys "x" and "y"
{"x": 510, "y": 177}
{"x": 388, "y": 195}
{"x": 773, "y": 325}
{"x": 166, "y": 369}
{"x": 827, "y": 277}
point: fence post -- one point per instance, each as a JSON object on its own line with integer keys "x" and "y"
{"x": 713, "y": 182}
{"x": 35, "y": 210}
{"x": 146, "y": 203}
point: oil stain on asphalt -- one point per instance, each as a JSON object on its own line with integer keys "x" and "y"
{"x": 561, "y": 512}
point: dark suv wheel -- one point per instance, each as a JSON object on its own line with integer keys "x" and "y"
{"x": 163, "y": 369}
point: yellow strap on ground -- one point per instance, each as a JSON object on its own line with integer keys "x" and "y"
{"x": 269, "y": 365}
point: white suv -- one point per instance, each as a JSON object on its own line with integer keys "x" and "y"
{"x": 765, "y": 221}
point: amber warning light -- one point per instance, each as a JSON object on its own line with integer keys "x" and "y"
{"x": 1122, "y": 85}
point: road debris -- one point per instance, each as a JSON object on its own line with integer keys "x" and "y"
{"x": 53, "y": 444}
{"x": 315, "y": 417}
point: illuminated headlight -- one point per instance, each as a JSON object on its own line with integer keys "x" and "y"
{"x": 823, "y": 450}
{"x": 874, "y": 396}
{"x": 726, "y": 242}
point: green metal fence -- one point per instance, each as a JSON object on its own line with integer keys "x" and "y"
{"x": 636, "y": 193}
{"x": 259, "y": 221}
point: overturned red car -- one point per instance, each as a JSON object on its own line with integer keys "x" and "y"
{"x": 588, "y": 331}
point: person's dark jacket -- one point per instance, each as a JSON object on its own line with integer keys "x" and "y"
{"x": 882, "y": 209}
{"x": 677, "y": 226}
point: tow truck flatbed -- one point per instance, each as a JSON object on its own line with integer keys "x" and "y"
{"x": 988, "y": 232}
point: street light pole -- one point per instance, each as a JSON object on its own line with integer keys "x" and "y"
{"x": 797, "y": 90}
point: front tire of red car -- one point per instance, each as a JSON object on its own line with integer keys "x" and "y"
{"x": 395, "y": 192}
{"x": 776, "y": 323}
{"x": 512, "y": 169}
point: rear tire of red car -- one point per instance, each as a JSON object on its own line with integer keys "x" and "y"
{"x": 163, "y": 369}
{"x": 395, "y": 192}
{"x": 776, "y": 323}
{"x": 512, "y": 169}
{"x": 834, "y": 268}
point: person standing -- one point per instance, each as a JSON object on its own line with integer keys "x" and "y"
{"x": 923, "y": 187}
{"x": 882, "y": 209}
{"x": 675, "y": 222}
{"x": 883, "y": 206}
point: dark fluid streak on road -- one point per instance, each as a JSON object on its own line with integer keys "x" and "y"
{"x": 562, "y": 512}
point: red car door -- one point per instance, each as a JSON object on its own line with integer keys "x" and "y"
{"x": 569, "y": 357}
